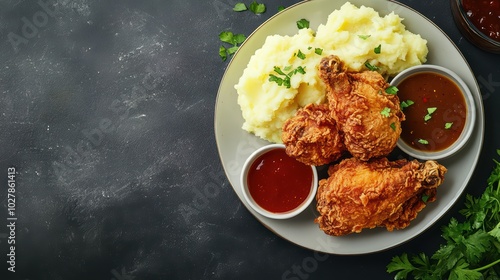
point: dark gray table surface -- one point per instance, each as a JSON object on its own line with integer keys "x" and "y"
{"x": 106, "y": 113}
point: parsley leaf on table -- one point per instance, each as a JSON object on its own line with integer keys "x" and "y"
{"x": 240, "y": 7}
{"x": 236, "y": 39}
{"x": 230, "y": 38}
{"x": 257, "y": 8}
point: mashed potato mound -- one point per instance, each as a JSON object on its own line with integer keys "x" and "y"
{"x": 351, "y": 33}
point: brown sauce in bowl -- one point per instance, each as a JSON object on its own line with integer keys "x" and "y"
{"x": 436, "y": 117}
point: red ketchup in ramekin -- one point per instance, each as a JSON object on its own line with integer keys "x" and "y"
{"x": 279, "y": 183}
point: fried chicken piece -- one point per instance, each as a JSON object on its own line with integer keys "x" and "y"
{"x": 377, "y": 193}
{"x": 369, "y": 118}
{"x": 312, "y": 137}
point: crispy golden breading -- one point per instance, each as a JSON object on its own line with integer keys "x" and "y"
{"x": 312, "y": 137}
{"x": 369, "y": 118}
{"x": 377, "y": 193}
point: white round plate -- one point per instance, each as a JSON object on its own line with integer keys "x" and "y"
{"x": 235, "y": 144}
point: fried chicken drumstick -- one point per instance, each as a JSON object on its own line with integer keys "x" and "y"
{"x": 377, "y": 193}
{"x": 312, "y": 137}
{"x": 368, "y": 116}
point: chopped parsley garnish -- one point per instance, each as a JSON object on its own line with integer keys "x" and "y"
{"x": 240, "y": 7}
{"x": 301, "y": 55}
{"x": 377, "y": 49}
{"x": 300, "y": 69}
{"x": 423, "y": 141}
{"x": 281, "y": 8}
{"x": 278, "y": 70}
{"x": 386, "y": 112}
{"x": 278, "y": 80}
{"x": 430, "y": 111}
{"x": 393, "y": 126}
{"x": 448, "y": 125}
{"x": 371, "y": 67}
{"x": 391, "y": 90}
{"x": 285, "y": 79}
{"x": 364, "y": 37}
{"x": 257, "y": 8}
{"x": 470, "y": 248}
{"x": 230, "y": 38}
{"x": 425, "y": 198}
{"x": 406, "y": 104}
{"x": 318, "y": 51}
{"x": 302, "y": 23}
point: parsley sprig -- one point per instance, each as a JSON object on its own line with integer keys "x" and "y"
{"x": 230, "y": 38}
{"x": 236, "y": 39}
{"x": 472, "y": 249}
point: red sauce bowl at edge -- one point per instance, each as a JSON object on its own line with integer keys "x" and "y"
{"x": 307, "y": 194}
